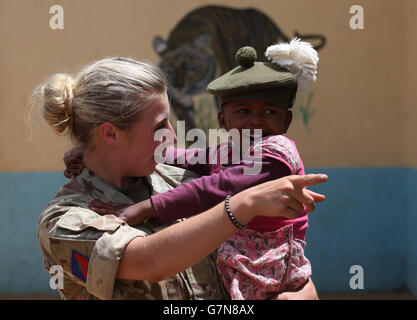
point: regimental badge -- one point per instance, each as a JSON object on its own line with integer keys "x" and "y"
{"x": 79, "y": 265}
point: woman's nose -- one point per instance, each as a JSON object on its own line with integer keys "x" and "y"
{"x": 172, "y": 131}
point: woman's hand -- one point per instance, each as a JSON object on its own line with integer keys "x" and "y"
{"x": 183, "y": 246}
{"x": 286, "y": 197}
{"x": 132, "y": 214}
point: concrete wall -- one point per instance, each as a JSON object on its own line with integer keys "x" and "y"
{"x": 361, "y": 133}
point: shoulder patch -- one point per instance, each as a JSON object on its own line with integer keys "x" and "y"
{"x": 79, "y": 265}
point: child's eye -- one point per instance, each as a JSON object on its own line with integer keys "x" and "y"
{"x": 243, "y": 111}
{"x": 270, "y": 111}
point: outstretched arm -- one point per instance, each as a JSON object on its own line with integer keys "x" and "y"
{"x": 197, "y": 195}
{"x": 181, "y": 245}
{"x": 203, "y": 193}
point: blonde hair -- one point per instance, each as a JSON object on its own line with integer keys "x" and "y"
{"x": 109, "y": 90}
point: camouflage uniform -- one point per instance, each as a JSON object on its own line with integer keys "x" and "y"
{"x": 89, "y": 246}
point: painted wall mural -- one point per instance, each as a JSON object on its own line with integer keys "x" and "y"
{"x": 202, "y": 47}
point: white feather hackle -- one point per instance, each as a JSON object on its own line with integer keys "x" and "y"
{"x": 298, "y": 57}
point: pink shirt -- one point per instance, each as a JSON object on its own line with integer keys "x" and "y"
{"x": 279, "y": 158}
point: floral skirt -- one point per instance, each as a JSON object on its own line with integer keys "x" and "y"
{"x": 259, "y": 266}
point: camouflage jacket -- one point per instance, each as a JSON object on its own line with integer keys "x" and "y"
{"x": 89, "y": 246}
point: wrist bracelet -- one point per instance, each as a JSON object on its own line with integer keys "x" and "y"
{"x": 231, "y": 216}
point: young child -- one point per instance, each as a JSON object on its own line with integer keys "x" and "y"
{"x": 266, "y": 257}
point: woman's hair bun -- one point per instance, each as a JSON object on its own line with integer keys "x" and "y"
{"x": 114, "y": 90}
{"x": 57, "y": 93}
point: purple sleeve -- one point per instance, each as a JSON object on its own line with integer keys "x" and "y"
{"x": 204, "y": 193}
{"x": 180, "y": 158}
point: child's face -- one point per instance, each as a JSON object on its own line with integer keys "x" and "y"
{"x": 253, "y": 114}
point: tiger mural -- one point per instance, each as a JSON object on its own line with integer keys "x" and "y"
{"x": 202, "y": 46}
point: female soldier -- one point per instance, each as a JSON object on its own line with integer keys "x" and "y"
{"x": 112, "y": 108}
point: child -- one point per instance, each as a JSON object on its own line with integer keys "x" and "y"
{"x": 266, "y": 257}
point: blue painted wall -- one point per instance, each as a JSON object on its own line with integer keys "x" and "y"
{"x": 411, "y": 231}
{"x": 23, "y": 196}
{"x": 362, "y": 222}
{"x": 368, "y": 219}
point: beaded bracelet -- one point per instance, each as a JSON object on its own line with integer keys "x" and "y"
{"x": 231, "y": 216}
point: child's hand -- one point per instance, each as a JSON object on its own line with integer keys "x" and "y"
{"x": 73, "y": 162}
{"x": 132, "y": 214}
{"x": 74, "y": 167}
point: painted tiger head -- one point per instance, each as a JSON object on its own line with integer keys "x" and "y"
{"x": 189, "y": 67}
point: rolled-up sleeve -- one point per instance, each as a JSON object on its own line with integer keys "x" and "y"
{"x": 105, "y": 259}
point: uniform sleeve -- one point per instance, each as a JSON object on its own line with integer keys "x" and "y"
{"x": 87, "y": 246}
{"x": 203, "y": 193}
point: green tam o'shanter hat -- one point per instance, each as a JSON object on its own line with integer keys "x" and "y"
{"x": 293, "y": 65}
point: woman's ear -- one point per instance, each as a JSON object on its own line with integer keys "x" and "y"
{"x": 288, "y": 120}
{"x": 108, "y": 133}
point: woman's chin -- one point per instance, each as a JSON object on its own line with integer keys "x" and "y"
{"x": 151, "y": 169}
{"x": 144, "y": 172}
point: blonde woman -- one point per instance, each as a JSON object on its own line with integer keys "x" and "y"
{"x": 112, "y": 108}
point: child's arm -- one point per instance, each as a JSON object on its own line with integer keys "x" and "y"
{"x": 194, "y": 196}
{"x": 203, "y": 193}
{"x": 132, "y": 214}
{"x": 180, "y": 158}
{"x": 279, "y": 158}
